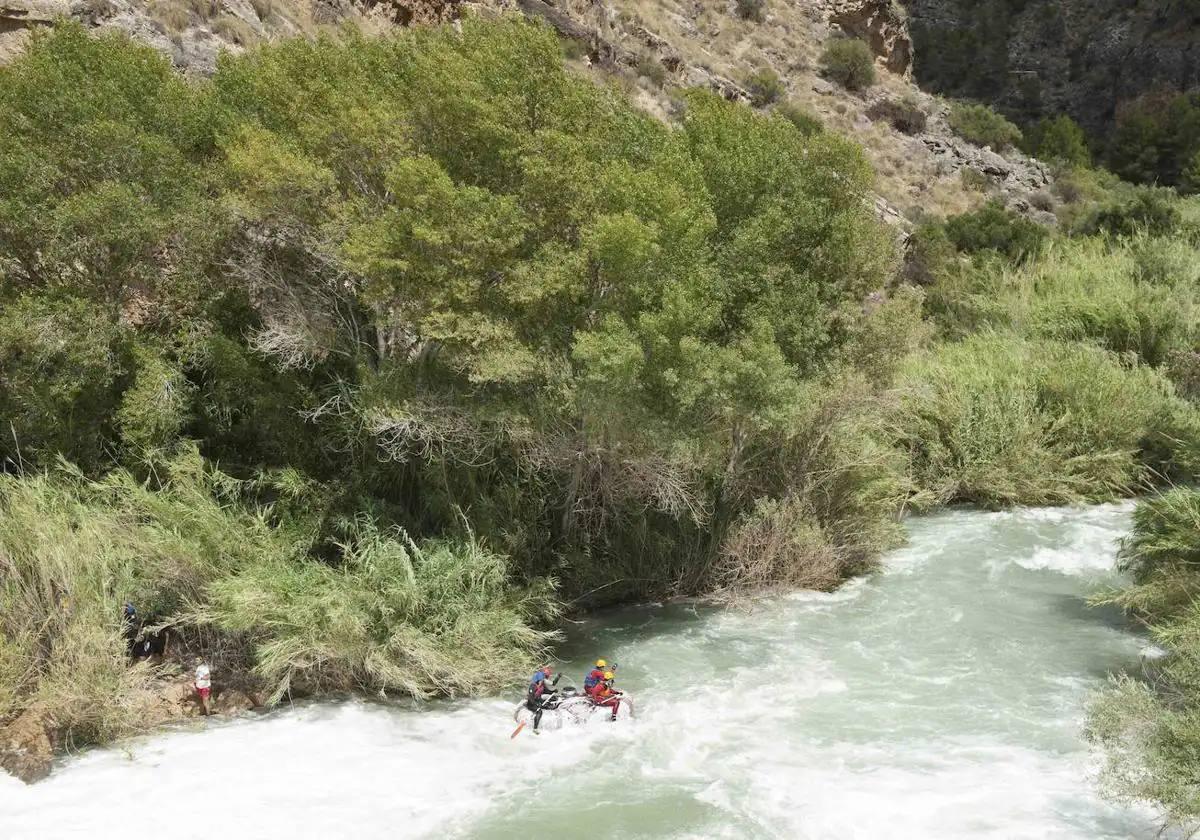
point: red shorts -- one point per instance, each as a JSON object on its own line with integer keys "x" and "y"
{"x": 203, "y": 692}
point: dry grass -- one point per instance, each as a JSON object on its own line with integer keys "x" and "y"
{"x": 204, "y": 9}
{"x": 779, "y": 544}
{"x": 175, "y": 15}
{"x": 788, "y": 41}
{"x": 263, "y": 8}
{"x": 235, "y": 30}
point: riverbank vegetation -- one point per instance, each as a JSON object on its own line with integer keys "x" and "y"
{"x": 359, "y": 361}
{"x": 1150, "y": 729}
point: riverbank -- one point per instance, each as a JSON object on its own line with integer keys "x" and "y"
{"x": 940, "y": 698}
{"x": 34, "y": 740}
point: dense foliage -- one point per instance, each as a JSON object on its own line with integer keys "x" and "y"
{"x": 428, "y": 285}
{"x": 849, "y": 62}
{"x": 996, "y": 229}
{"x": 1157, "y": 140}
{"x": 983, "y": 125}
{"x": 1059, "y": 140}
{"x": 366, "y": 354}
{"x": 1150, "y": 731}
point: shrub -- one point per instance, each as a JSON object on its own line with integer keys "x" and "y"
{"x": 778, "y": 544}
{"x": 765, "y": 87}
{"x": 1190, "y": 177}
{"x": 574, "y": 49}
{"x": 996, "y": 228}
{"x": 1183, "y": 368}
{"x": 1156, "y": 139}
{"x": 929, "y": 251}
{"x": 171, "y": 14}
{"x": 995, "y": 420}
{"x": 1152, "y": 210}
{"x": 1060, "y": 140}
{"x": 751, "y": 9}
{"x": 234, "y": 29}
{"x": 1043, "y": 200}
{"x": 983, "y": 126}
{"x": 904, "y": 115}
{"x": 392, "y": 616}
{"x": 441, "y": 617}
{"x": 974, "y": 180}
{"x": 803, "y": 119}
{"x": 1148, "y": 731}
{"x": 849, "y": 62}
{"x": 204, "y": 9}
{"x": 154, "y": 408}
{"x": 890, "y": 330}
{"x": 63, "y": 364}
{"x": 1131, "y": 298}
{"x": 651, "y": 68}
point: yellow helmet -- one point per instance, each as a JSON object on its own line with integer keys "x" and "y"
{"x": 600, "y": 663}
{"x": 608, "y": 675}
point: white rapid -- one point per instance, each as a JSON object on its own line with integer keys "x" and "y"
{"x": 941, "y": 698}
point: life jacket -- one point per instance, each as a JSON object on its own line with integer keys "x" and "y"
{"x": 537, "y": 686}
{"x": 594, "y": 678}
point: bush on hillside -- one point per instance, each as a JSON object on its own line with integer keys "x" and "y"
{"x": 1183, "y": 369}
{"x": 1135, "y": 297}
{"x": 63, "y": 365}
{"x": 649, "y": 67}
{"x": 803, "y": 119}
{"x": 983, "y": 126}
{"x": 849, "y": 62}
{"x": 1153, "y": 210}
{"x": 754, "y": 10}
{"x": 996, "y": 228}
{"x": 1190, "y": 177}
{"x": 765, "y": 87}
{"x": 1059, "y": 140}
{"x": 904, "y": 115}
{"x": 891, "y": 329}
{"x": 1156, "y": 139}
{"x": 929, "y": 252}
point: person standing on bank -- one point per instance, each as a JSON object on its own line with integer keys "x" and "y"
{"x": 203, "y": 687}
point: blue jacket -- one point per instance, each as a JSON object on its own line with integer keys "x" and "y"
{"x": 538, "y": 685}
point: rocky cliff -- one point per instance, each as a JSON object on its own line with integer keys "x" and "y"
{"x": 1034, "y": 58}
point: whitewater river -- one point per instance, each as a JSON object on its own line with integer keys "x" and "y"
{"x": 941, "y": 698}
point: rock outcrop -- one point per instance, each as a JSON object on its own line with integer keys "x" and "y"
{"x": 882, "y": 24}
{"x": 27, "y": 746}
{"x": 1045, "y": 57}
{"x": 20, "y": 17}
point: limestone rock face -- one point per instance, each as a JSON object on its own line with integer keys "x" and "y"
{"x": 882, "y": 24}
{"x": 19, "y": 17}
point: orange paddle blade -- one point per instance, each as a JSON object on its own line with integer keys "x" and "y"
{"x": 517, "y": 731}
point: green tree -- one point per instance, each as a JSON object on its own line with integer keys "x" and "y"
{"x": 849, "y": 62}
{"x": 1059, "y": 139}
{"x": 983, "y": 126}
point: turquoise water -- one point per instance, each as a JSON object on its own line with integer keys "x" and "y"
{"x": 941, "y": 698}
